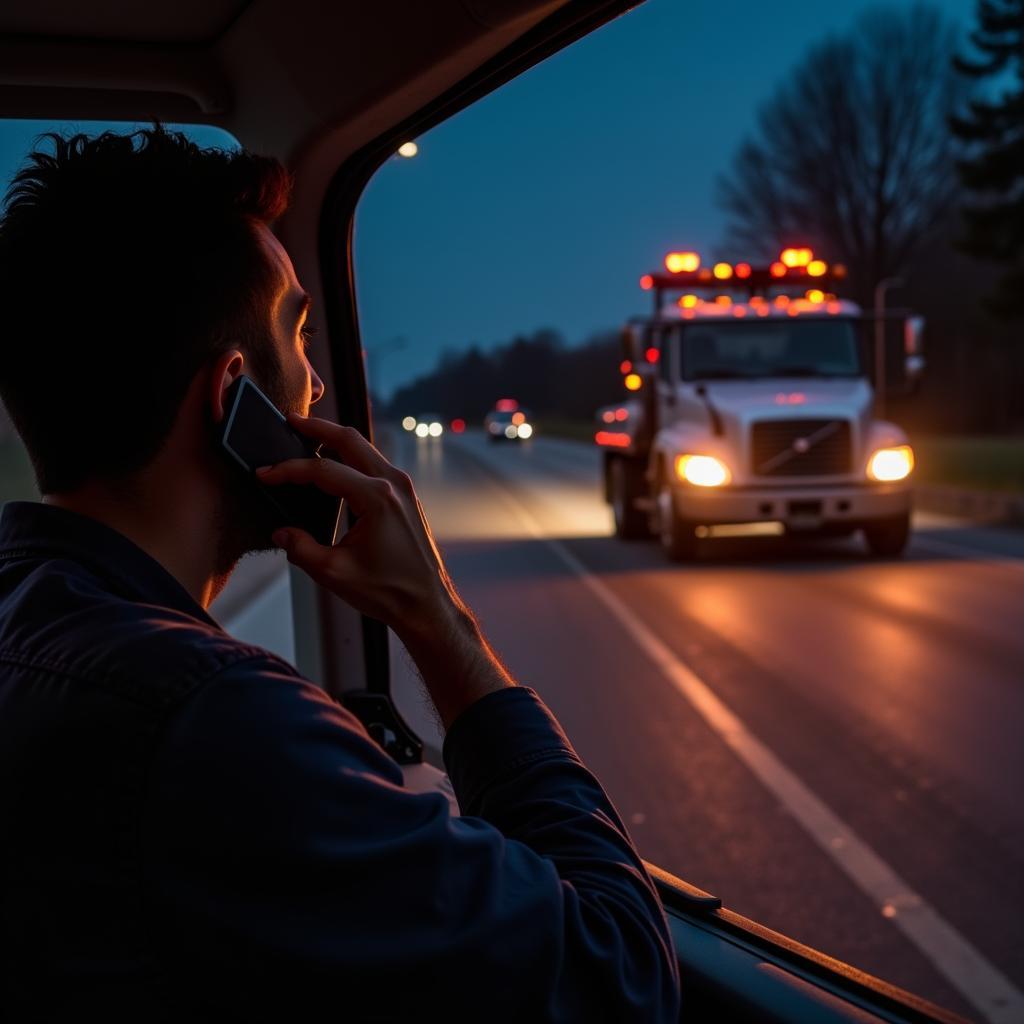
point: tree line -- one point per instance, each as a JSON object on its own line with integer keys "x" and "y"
{"x": 899, "y": 150}
{"x": 539, "y": 370}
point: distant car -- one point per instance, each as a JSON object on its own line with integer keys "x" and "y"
{"x": 428, "y": 425}
{"x": 508, "y": 422}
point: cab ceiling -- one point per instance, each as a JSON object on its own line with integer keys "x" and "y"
{"x": 184, "y": 21}
{"x": 276, "y": 73}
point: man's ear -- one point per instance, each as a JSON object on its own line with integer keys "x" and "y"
{"x": 229, "y": 366}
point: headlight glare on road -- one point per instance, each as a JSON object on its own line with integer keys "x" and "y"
{"x": 525, "y": 431}
{"x": 889, "y": 464}
{"x": 702, "y": 470}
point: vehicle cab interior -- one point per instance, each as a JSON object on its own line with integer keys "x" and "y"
{"x": 332, "y": 90}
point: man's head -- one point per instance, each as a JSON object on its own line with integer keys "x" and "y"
{"x": 136, "y": 270}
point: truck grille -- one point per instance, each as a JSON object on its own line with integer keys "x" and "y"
{"x": 800, "y": 447}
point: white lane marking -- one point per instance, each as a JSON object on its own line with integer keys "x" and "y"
{"x": 983, "y": 984}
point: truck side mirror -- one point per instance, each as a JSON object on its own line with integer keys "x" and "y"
{"x": 913, "y": 350}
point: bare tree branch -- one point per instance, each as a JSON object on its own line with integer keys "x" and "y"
{"x": 852, "y": 153}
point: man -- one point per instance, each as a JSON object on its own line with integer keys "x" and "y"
{"x": 190, "y": 829}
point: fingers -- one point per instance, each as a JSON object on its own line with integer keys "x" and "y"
{"x": 318, "y": 561}
{"x": 361, "y": 491}
{"x": 347, "y": 442}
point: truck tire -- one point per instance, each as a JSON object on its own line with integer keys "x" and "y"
{"x": 886, "y": 538}
{"x": 678, "y": 536}
{"x": 625, "y": 485}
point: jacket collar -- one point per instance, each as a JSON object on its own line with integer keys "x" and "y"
{"x": 46, "y": 531}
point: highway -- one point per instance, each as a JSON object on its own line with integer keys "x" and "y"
{"x": 891, "y": 690}
{"x": 829, "y": 743}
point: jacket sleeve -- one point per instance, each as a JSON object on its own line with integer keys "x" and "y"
{"x": 287, "y": 869}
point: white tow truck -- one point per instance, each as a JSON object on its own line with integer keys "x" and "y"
{"x": 752, "y": 408}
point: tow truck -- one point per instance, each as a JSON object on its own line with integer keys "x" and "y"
{"x": 754, "y": 407}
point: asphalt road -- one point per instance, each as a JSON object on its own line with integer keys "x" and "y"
{"x": 831, "y": 744}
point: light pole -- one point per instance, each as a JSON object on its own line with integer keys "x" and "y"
{"x": 881, "y": 288}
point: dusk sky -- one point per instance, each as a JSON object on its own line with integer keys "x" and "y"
{"x": 541, "y": 205}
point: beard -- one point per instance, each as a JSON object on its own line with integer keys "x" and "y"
{"x": 245, "y": 520}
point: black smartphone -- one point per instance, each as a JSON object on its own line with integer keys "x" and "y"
{"x": 255, "y": 433}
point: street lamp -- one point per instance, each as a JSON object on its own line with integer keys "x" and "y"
{"x": 881, "y": 289}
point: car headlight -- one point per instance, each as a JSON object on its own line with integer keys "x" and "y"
{"x": 525, "y": 431}
{"x": 409, "y": 423}
{"x": 435, "y": 430}
{"x": 888, "y": 464}
{"x": 702, "y": 470}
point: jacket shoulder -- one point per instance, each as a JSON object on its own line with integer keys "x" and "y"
{"x": 70, "y": 624}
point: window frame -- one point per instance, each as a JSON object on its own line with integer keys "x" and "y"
{"x": 336, "y": 226}
{"x": 693, "y": 914}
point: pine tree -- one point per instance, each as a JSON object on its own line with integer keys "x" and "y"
{"x": 993, "y": 133}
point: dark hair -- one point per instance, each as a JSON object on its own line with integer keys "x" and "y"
{"x": 127, "y": 263}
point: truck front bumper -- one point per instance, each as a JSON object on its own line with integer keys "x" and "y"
{"x": 798, "y": 508}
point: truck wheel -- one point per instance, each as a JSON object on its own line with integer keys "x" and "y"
{"x": 886, "y": 538}
{"x": 625, "y": 485}
{"x": 678, "y": 536}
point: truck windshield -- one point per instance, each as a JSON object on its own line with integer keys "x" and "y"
{"x": 770, "y": 348}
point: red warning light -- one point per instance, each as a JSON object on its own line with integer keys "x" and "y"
{"x": 743, "y": 270}
{"x": 612, "y": 439}
{"x": 458, "y": 426}
{"x": 621, "y": 415}
{"x": 652, "y": 355}
{"x": 506, "y": 405}
{"x": 647, "y": 282}
{"x": 625, "y": 366}
{"x": 777, "y": 269}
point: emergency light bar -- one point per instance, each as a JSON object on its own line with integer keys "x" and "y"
{"x": 795, "y": 267}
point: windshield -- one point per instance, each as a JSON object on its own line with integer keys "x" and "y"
{"x": 785, "y": 348}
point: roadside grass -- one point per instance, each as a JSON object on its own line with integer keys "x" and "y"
{"x": 977, "y": 463}
{"x": 16, "y": 477}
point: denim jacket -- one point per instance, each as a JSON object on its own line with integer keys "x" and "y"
{"x": 189, "y": 830}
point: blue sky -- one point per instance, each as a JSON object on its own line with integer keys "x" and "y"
{"x": 541, "y": 205}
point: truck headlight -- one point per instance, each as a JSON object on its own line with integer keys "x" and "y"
{"x": 888, "y": 464}
{"x": 702, "y": 470}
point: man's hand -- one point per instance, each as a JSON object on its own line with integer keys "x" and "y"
{"x": 388, "y": 565}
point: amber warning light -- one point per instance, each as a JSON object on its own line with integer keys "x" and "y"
{"x": 684, "y": 271}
